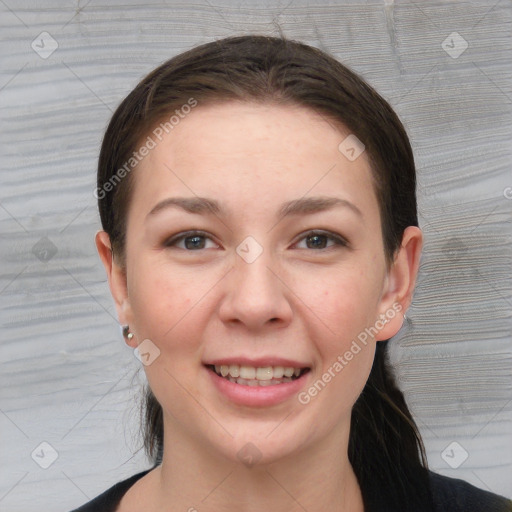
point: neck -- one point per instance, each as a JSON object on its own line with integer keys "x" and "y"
{"x": 315, "y": 479}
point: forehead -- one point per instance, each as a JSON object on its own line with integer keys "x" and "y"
{"x": 239, "y": 151}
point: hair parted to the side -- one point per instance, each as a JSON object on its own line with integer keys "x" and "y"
{"x": 385, "y": 446}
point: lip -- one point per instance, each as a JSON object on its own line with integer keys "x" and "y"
{"x": 260, "y": 362}
{"x": 258, "y": 396}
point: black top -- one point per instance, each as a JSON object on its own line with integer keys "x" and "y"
{"x": 450, "y": 495}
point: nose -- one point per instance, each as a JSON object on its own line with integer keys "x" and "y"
{"x": 256, "y": 295}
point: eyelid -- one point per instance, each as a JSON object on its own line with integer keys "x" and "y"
{"x": 337, "y": 239}
{"x": 174, "y": 239}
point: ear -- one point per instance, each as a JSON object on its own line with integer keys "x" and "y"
{"x": 399, "y": 285}
{"x": 116, "y": 280}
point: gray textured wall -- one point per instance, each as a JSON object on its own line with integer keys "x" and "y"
{"x": 68, "y": 380}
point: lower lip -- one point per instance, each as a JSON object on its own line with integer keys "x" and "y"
{"x": 257, "y": 396}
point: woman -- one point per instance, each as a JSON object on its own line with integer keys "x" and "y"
{"x": 261, "y": 243}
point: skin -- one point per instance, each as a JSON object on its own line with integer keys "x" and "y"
{"x": 294, "y": 301}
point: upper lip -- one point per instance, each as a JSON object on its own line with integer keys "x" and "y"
{"x": 260, "y": 362}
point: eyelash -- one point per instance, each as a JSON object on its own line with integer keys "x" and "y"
{"x": 338, "y": 240}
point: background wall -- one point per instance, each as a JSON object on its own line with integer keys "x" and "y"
{"x": 68, "y": 380}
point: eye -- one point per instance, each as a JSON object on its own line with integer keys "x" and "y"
{"x": 191, "y": 241}
{"x": 321, "y": 240}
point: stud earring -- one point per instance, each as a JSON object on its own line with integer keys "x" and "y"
{"x": 126, "y": 332}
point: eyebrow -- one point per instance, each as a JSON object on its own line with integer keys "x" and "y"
{"x": 303, "y": 206}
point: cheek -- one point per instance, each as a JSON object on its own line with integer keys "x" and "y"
{"x": 169, "y": 309}
{"x": 164, "y": 302}
{"x": 344, "y": 348}
{"x": 344, "y": 302}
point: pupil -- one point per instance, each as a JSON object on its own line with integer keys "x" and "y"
{"x": 194, "y": 242}
{"x": 316, "y": 241}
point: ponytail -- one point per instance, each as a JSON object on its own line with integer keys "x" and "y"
{"x": 153, "y": 427}
{"x": 385, "y": 446}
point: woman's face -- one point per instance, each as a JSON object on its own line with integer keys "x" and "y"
{"x": 253, "y": 241}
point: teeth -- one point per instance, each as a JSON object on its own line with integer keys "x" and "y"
{"x": 288, "y": 372}
{"x": 251, "y": 376}
{"x": 254, "y": 382}
{"x": 278, "y": 372}
{"x": 247, "y": 372}
{"x": 264, "y": 373}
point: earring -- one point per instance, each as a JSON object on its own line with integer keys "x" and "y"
{"x": 126, "y": 332}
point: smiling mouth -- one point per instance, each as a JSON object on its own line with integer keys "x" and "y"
{"x": 261, "y": 376}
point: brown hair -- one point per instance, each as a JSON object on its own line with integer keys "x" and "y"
{"x": 385, "y": 446}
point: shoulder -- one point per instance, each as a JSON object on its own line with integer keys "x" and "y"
{"x": 454, "y": 495}
{"x": 109, "y": 500}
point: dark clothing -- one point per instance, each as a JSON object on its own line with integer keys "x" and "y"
{"x": 110, "y": 499}
{"x": 450, "y": 495}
